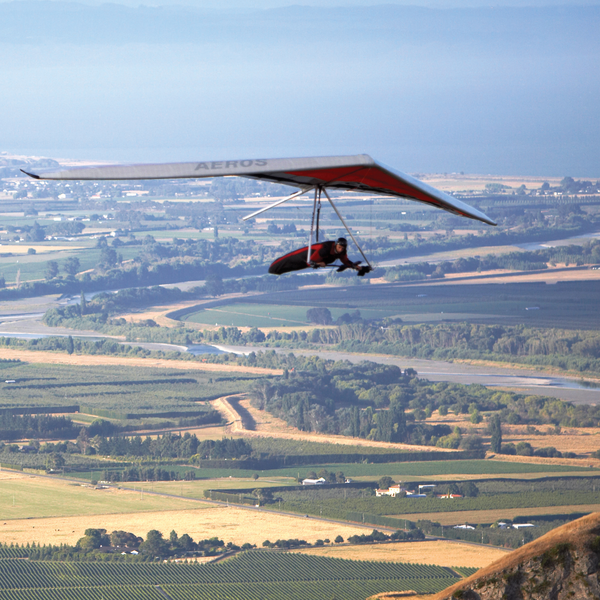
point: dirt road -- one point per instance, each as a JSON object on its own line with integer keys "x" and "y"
{"x": 269, "y": 426}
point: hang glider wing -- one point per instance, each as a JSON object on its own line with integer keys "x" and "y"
{"x": 358, "y": 173}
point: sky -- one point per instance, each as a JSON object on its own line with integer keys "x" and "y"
{"x": 479, "y": 87}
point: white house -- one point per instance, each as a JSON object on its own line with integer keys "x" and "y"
{"x": 392, "y": 491}
{"x": 319, "y": 481}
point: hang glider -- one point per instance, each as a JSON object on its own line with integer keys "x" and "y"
{"x": 358, "y": 173}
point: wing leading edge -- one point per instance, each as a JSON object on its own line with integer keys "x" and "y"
{"x": 358, "y": 173}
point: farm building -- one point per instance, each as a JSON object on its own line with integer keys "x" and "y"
{"x": 393, "y": 491}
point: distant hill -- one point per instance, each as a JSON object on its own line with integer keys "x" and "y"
{"x": 561, "y": 565}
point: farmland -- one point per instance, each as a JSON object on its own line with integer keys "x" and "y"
{"x": 241, "y": 314}
{"x": 167, "y": 244}
{"x": 445, "y": 554}
{"x": 198, "y": 519}
{"x": 25, "y": 497}
{"x": 250, "y": 576}
{"x": 104, "y": 386}
{"x": 335, "y": 508}
{"x": 490, "y": 516}
{"x": 369, "y": 472}
{"x": 476, "y": 303}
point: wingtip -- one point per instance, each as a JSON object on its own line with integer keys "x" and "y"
{"x": 30, "y": 174}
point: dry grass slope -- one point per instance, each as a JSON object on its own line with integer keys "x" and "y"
{"x": 578, "y": 534}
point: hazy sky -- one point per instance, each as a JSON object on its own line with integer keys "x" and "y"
{"x": 487, "y": 87}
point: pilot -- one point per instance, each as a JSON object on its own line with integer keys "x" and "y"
{"x": 324, "y": 253}
{"x": 321, "y": 255}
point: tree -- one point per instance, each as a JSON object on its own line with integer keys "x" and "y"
{"x": 108, "y": 257}
{"x": 186, "y": 542}
{"x": 320, "y": 316}
{"x": 339, "y": 540}
{"x": 385, "y": 482}
{"x": 262, "y": 495}
{"x": 93, "y": 539}
{"x": 154, "y": 545}
{"x": 56, "y": 461}
{"x": 83, "y": 439}
{"x": 173, "y": 539}
{"x": 51, "y": 269}
{"x": 70, "y": 345}
{"x": 214, "y": 285}
{"x": 82, "y": 303}
{"x": 471, "y": 442}
{"x": 495, "y": 429}
{"x": 469, "y": 489}
{"x": 124, "y": 538}
{"x": 476, "y": 417}
{"x": 71, "y": 265}
{"x": 36, "y": 233}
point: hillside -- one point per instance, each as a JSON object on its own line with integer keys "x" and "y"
{"x": 563, "y": 564}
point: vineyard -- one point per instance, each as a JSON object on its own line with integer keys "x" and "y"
{"x": 248, "y": 576}
{"x": 335, "y": 507}
{"x": 103, "y": 388}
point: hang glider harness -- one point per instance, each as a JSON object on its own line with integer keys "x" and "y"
{"x": 314, "y": 224}
{"x": 314, "y": 232}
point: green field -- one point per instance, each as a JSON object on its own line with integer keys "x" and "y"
{"x": 564, "y": 305}
{"x": 37, "y": 497}
{"x": 414, "y": 469}
{"x": 247, "y": 576}
{"x": 269, "y": 315}
{"x": 120, "y": 389}
{"x": 33, "y": 266}
{"x": 337, "y": 508}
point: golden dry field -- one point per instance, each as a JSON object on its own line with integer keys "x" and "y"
{"x": 571, "y": 439}
{"x": 581, "y": 440}
{"x": 23, "y": 248}
{"x": 58, "y": 358}
{"x": 548, "y": 276}
{"x": 455, "y": 182}
{"x": 442, "y": 553}
{"x": 229, "y": 524}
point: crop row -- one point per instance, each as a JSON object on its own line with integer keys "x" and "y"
{"x": 146, "y": 592}
{"x": 315, "y": 590}
{"x": 12, "y": 552}
{"x": 338, "y": 507}
{"x": 247, "y": 567}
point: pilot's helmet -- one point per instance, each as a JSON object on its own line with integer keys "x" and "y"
{"x": 342, "y": 242}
